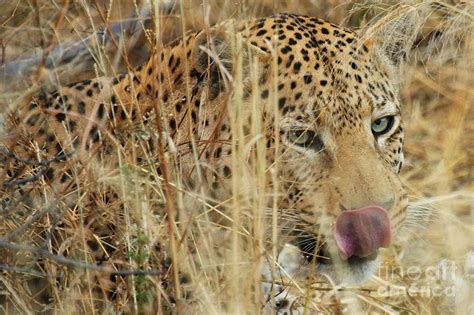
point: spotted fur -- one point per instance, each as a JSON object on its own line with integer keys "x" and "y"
{"x": 313, "y": 76}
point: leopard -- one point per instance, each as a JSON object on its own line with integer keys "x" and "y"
{"x": 330, "y": 134}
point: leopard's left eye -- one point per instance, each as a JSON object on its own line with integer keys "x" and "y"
{"x": 305, "y": 138}
{"x": 382, "y": 125}
{"x": 300, "y": 136}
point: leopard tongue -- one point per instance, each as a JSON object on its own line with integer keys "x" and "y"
{"x": 361, "y": 232}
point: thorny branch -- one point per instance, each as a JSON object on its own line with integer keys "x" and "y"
{"x": 44, "y": 164}
{"x": 76, "y": 263}
{"x": 57, "y": 158}
{"x": 25, "y": 180}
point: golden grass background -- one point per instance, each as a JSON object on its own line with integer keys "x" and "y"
{"x": 438, "y": 97}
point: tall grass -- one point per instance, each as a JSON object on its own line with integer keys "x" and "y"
{"x": 50, "y": 264}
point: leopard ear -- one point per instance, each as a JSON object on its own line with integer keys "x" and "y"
{"x": 211, "y": 56}
{"x": 217, "y": 55}
{"x": 393, "y": 35}
{"x": 211, "y": 48}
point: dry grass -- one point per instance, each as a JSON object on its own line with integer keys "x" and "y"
{"x": 436, "y": 90}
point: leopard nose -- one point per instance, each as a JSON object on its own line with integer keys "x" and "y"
{"x": 385, "y": 205}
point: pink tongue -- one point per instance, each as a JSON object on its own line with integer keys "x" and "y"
{"x": 362, "y": 231}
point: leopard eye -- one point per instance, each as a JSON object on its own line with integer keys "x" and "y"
{"x": 305, "y": 138}
{"x": 382, "y": 125}
{"x": 299, "y": 137}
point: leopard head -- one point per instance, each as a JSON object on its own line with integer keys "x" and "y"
{"x": 334, "y": 137}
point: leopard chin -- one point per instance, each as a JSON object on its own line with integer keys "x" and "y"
{"x": 295, "y": 263}
{"x": 355, "y": 271}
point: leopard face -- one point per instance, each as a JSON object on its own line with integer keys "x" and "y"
{"x": 340, "y": 140}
